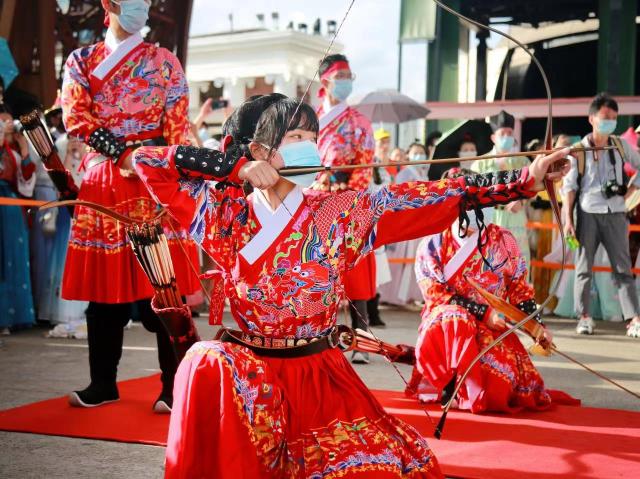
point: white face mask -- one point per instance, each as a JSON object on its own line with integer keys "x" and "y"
{"x": 467, "y": 154}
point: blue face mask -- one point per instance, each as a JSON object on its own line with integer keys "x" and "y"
{"x": 505, "y": 143}
{"x": 301, "y": 154}
{"x": 133, "y": 15}
{"x": 418, "y": 157}
{"x": 342, "y": 89}
{"x": 606, "y": 127}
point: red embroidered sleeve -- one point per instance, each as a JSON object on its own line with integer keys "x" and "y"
{"x": 176, "y": 113}
{"x": 207, "y": 210}
{"x": 411, "y": 210}
{"x": 76, "y": 98}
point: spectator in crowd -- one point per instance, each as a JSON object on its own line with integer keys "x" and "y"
{"x": 49, "y": 237}
{"x": 512, "y": 217}
{"x": 596, "y": 187}
{"x": 17, "y": 179}
{"x": 398, "y": 155}
{"x": 403, "y": 289}
{"x": 468, "y": 148}
{"x": 603, "y": 302}
{"x": 381, "y": 155}
{"x": 416, "y": 152}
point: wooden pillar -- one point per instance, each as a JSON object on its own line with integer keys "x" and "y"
{"x": 47, "y": 49}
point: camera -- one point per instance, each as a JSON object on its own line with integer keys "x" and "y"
{"x": 612, "y": 188}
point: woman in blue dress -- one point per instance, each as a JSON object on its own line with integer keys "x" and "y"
{"x": 17, "y": 179}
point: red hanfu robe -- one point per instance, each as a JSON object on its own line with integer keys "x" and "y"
{"x": 238, "y": 414}
{"x": 450, "y": 335}
{"x": 346, "y": 138}
{"x": 137, "y": 91}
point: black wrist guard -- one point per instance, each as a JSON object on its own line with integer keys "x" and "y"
{"x": 499, "y": 188}
{"x": 106, "y": 143}
{"x": 529, "y": 306}
{"x": 209, "y": 163}
{"x": 477, "y": 309}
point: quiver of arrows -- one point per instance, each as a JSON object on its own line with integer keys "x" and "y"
{"x": 180, "y": 326}
{"x": 40, "y": 138}
{"x": 151, "y": 248}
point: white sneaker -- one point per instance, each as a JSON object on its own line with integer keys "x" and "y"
{"x": 633, "y": 331}
{"x": 360, "y": 358}
{"x": 585, "y": 326}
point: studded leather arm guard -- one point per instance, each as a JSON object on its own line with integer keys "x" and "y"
{"x": 529, "y": 306}
{"x": 106, "y": 143}
{"x": 477, "y": 309}
{"x": 210, "y": 164}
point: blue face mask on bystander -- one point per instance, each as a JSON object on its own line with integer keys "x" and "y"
{"x": 505, "y": 143}
{"x": 606, "y": 127}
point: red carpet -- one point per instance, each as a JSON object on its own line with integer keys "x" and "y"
{"x": 567, "y": 442}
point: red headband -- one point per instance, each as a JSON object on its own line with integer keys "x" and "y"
{"x": 339, "y": 65}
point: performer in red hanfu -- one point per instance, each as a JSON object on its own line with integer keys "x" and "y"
{"x": 117, "y": 95}
{"x": 346, "y": 138}
{"x": 278, "y": 398}
{"x": 457, "y": 322}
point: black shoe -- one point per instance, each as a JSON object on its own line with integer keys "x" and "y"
{"x": 163, "y": 404}
{"x": 93, "y": 396}
{"x": 377, "y": 323}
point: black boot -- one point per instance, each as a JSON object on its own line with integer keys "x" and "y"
{"x": 166, "y": 357}
{"x": 168, "y": 366}
{"x": 105, "y": 323}
{"x": 373, "y": 312}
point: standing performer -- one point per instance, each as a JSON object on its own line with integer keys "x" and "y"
{"x": 278, "y": 398}
{"x": 116, "y": 95}
{"x": 513, "y": 216}
{"x": 346, "y": 138}
{"x": 457, "y": 322}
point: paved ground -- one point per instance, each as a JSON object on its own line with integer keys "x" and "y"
{"x": 33, "y": 368}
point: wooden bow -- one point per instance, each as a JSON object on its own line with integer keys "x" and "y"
{"x": 535, "y": 330}
{"x": 552, "y": 199}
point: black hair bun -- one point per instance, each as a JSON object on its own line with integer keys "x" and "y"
{"x": 241, "y": 125}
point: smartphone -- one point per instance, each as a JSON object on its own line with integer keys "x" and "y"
{"x": 218, "y": 104}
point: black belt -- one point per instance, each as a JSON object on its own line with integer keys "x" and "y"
{"x": 281, "y": 347}
{"x": 157, "y": 141}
